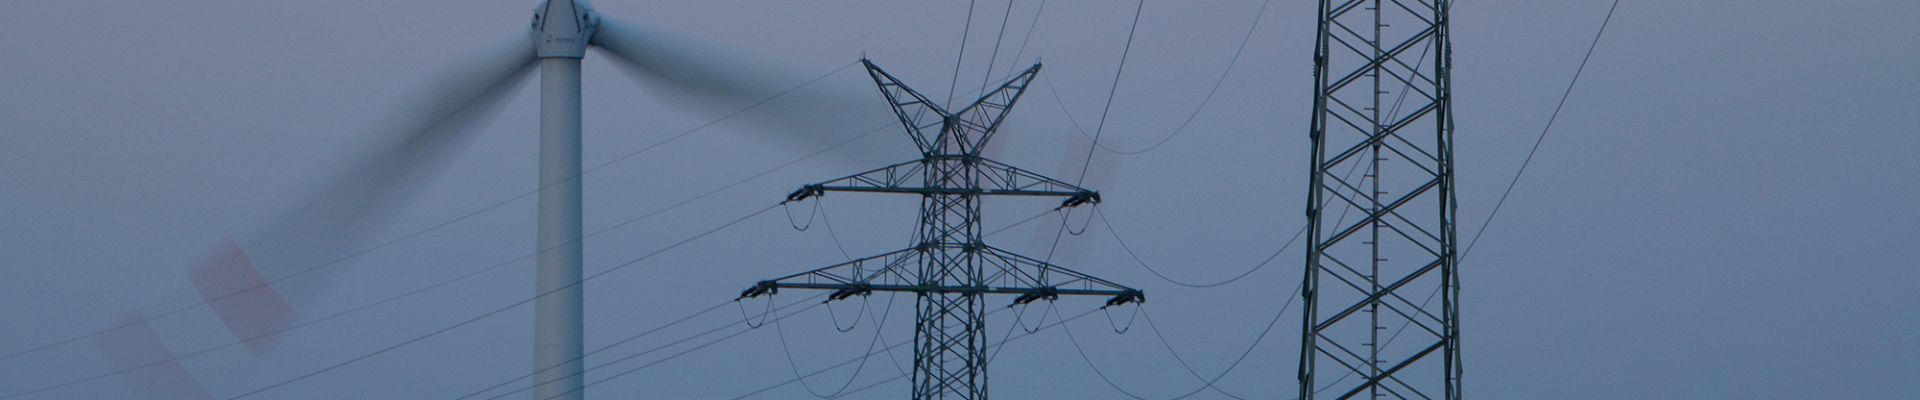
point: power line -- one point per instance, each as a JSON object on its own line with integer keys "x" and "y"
{"x": 1231, "y": 62}
{"x": 1118, "y": 71}
{"x": 481, "y": 271}
{"x": 462, "y": 277}
{"x": 434, "y": 227}
{"x": 1037, "y": 11}
{"x": 1543, "y": 130}
{"x": 628, "y": 339}
{"x": 1263, "y": 263}
{"x": 1206, "y": 383}
{"x": 709, "y": 332}
{"x": 499, "y": 310}
{"x": 964, "y": 32}
{"x": 774, "y": 317}
{"x": 1143, "y": 263}
{"x": 995, "y": 57}
{"x": 877, "y": 325}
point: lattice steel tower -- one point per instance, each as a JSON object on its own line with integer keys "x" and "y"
{"x": 949, "y": 268}
{"x": 1382, "y": 106}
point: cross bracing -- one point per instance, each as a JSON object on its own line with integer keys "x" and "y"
{"x": 1382, "y": 105}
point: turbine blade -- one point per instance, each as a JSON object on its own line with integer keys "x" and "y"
{"x": 806, "y": 111}
{"x": 685, "y": 63}
{"x": 338, "y": 218}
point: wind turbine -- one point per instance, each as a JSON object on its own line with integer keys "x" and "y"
{"x": 347, "y": 211}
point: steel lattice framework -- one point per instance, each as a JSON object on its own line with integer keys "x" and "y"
{"x": 949, "y": 268}
{"x": 1382, "y": 106}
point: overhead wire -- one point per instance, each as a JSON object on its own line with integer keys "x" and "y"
{"x": 787, "y": 349}
{"x": 1263, "y": 263}
{"x": 1014, "y": 64}
{"x": 626, "y": 340}
{"x": 1543, "y": 130}
{"x": 499, "y": 310}
{"x": 1212, "y": 383}
{"x": 657, "y": 362}
{"x": 1156, "y": 272}
{"x": 1477, "y": 235}
{"x": 824, "y": 218}
{"x": 995, "y": 57}
{"x": 431, "y": 228}
{"x": 772, "y": 316}
{"x": 878, "y": 322}
{"x": 462, "y": 277}
{"x": 953, "y": 86}
{"x": 484, "y": 270}
{"x": 775, "y": 320}
{"x": 1119, "y": 71}
{"x": 1206, "y": 383}
{"x": 1204, "y": 101}
{"x": 815, "y": 212}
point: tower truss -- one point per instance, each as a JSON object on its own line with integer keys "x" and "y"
{"x": 1381, "y": 279}
{"x": 950, "y": 268}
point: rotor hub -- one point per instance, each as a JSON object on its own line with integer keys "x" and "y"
{"x": 562, "y": 28}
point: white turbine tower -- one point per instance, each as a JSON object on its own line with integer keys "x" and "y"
{"x": 561, "y": 31}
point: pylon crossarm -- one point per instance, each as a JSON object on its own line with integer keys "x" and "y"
{"x": 1007, "y": 179}
{"x": 995, "y": 178}
{"x": 892, "y": 272}
{"x": 985, "y": 115}
{"x": 911, "y": 107}
{"x": 1021, "y": 271}
{"x": 899, "y": 177}
{"x": 885, "y": 267}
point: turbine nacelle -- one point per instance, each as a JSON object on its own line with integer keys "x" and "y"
{"x": 563, "y": 28}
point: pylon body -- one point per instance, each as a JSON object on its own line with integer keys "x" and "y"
{"x": 950, "y": 268}
{"x": 1381, "y": 282}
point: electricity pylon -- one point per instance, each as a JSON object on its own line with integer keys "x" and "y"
{"x": 949, "y": 268}
{"x": 1383, "y": 105}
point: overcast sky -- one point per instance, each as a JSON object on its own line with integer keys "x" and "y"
{"x": 1725, "y": 209}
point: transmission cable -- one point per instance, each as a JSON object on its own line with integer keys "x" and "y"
{"x": 1263, "y": 263}
{"x": 1204, "y": 101}
{"x": 1118, "y": 71}
{"x": 622, "y": 341}
{"x": 1206, "y": 383}
{"x": 774, "y": 320}
{"x": 774, "y": 317}
{"x": 434, "y": 227}
{"x": 1143, "y": 264}
{"x": 995, "y": 57}
{"x": 459, "y": 278}
{"x": 954, "y": 85}
{"x": 682, "y": 353}
{"x": 500, "y": 310}
{"x": 824, "y": 218}
{"x": 1543, "y": 130}
{"x": 787, "y": 349}
{"x": 1014, "y": 65}
{"x": 470, "y": 274}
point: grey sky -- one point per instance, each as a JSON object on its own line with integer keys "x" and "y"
{"x": 1724, "y": 210}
